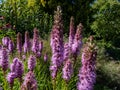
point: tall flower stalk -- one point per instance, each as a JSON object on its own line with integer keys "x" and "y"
{"x": 19, "y": 43}
{"x": 57, "y": 43}
{"x": 17, "y": 68}
{"x": 29, "y": 82}
{"x": 10, "y": 78}
{"x": 5, "y": 41}
{"x": 87, "y": 74}
{"x": 31, "y": 63}
{"x": 67, "y": 70}
{"x": 4, "y": 62}
{"x": 11, "y": 46}
{"x": 35, "y": 45}
{"x": 77, "y": 43}
{"x": 71, "y": 32}
{"x": 27, "y": 43}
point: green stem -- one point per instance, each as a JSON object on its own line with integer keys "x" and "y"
{"x": 5, "y": 83}
{"x": 54, "y": 84}
{"x": 66, "y": 85}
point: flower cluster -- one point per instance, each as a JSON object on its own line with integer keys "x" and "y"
{"x": 57, "y": 42}
{"x": 87, "y": 74}
{"x": 27, "y": 43}
{"x": 67, "y": 70}
{"x": 4, "y": 61}
{"x": 31, "y": 63}
{"x": 77, "y": 43}
{"x": 29, "y": 82}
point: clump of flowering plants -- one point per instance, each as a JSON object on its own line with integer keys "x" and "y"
{"x": 42, "y": 65}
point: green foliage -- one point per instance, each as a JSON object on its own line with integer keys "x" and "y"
{"x": 6, "y": 30}
{"x": 107, "y": 21}
{"x": 26, "y": 15}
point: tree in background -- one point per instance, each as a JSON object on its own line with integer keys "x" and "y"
{"x": 106, "y": 23}
{"x": 80, "y": 9}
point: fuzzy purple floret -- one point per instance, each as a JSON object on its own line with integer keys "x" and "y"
{"x": 27, "y": 43}
{"x": 45, "y": 57}
{"x": 4, "y": 59}
{"x": 10, "y": 78}
{"x": 31, "y": 63}
{"x": 87, "y": 74}
{"x": 11, "y": 46}
{"x": 67, "y": 70}
{"x": 29, "y": 82}
{"x": 57, "y": 43}
{"x": 5, "y": 41}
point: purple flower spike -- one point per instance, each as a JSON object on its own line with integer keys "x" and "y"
{"x": 5, "y": 41}
{"x": 31, "y": 63}
{"x": 67, "y": 70}
{"x": 27, "y": 44}
{"x": 35, "y": 44}
{"x": 71, "y": 32}
{"x": 13, "y": 65}
{"x": 57, "y": 43}
{"x": 66, "y": 51}
{"x": 4, "y": 59}
{"x": 19, "y": 42}
{"x": 10, "y": 78}
{"x": 77, "y": 44}
{"x": 29, "y": 82}
{"x": 87, "y": 74}
{"x": 19, "y": 69}
{"x": 11, "y": 46}
{"x": 45, "y": 57}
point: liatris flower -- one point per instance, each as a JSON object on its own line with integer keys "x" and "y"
{"x": 29, "y": 82}
{"x": 5, "y": 41}
{"x": 10, "y": 78}
{"x": 31, "y": 63}
{"x": 10, "y": 46}
{"x": 57, "y": 42}
{"x": 13, "y": 65}
{"x": 67, "y": 70}
{"x": 87, "y": 74}
{"x": 19, "y": 69}
{"x": 71, "y": 32}
{"x": 19, "y": 42}
{"x": 77, "y": 44}
{"x": 66, "y": 51}
{"x": 45, "y": 57}
{"x": 35, "y": 46}
{"x": 4, "y": 59}
{"x": 27, "y": 42}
